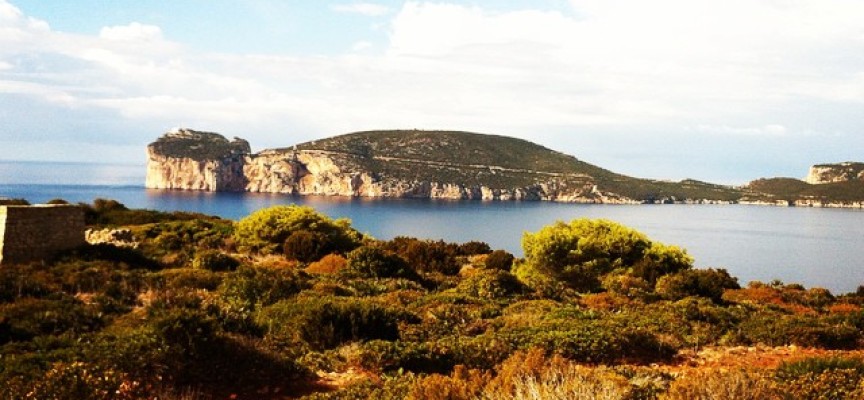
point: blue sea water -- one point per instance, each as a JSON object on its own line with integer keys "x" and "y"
{"x": 811, "y": 246}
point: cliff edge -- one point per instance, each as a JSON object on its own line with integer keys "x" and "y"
{"x": 831, "y": 173}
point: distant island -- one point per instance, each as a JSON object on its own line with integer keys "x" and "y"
{"x": 459, "y": 166}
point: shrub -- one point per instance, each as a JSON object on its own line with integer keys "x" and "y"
{"x": 329, "y": 264}
{"x": 187, "y": 278}
{"x": 627, "y": 285}
{"x": 473, "y": 247}
{"x": 14, "y": 202}
{"x": 426, "y": 255}
{"x": 777, "y": 329}
{"x": 252, "y": 287}
{"x": 489, "y": 284}
{"x": 28, "y": 318}
{"x": 375, "y": 262}
{"x": 214, "y": 260}
{"x": 306, "y": 246}
{"x": 76, "y": 380}
{"x": 499, "y": 259}
{"x": 266, "y": 230}
{"x": 580, "y": 252}
{"x": 817, "y": 365}
{"x": 325, "y": 323}
{"x": 432, "y": 256}
{"x": 660, "y": 260}
{"x": 710, "y": 283}
{"x": 822, "y": 378}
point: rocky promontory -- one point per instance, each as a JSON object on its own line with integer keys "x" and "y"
{"x": 831, "y": 173}
{"x": 406, "y": 164}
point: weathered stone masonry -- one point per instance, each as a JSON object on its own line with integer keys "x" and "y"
{"x": 34, "y": 233}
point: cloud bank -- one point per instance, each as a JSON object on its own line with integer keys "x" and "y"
{"x": 691, "y": 84}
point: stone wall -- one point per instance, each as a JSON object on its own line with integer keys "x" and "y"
{"x": 35, "y": 233}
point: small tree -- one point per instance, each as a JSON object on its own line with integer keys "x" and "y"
{"x": 375, "y": 262}
{"x": 213, "y": 260}
{"x": 581, "y": 252}
{"x": 306, "y": 246}
{"x": 266, "y": 230}
{"x": 499, "y": 259}
{"x": 710, "y": 283}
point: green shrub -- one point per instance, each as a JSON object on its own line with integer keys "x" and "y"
{"x": 710, "y": 283}
{"x": 25, "y": 280}
{"x": 188, "y": 278}
{"x": 374, "y": 262}
{"x": 266, "y": 230}
{"x": 499, "y": 259}
{"x": 214, "y": 260}
{"x": 325, "y": 323}
{"x": 250, "y": 288}
{"x": 489, "y": 284}
{"x": 306, "y": 246}
{"x": 28, "y": 318}
{"x": 426, "y": 255}
{"x": 580, "y": 252}
{"x": 474, "y": 247}
{"x": 75, "y": 380}
{"x": 823, "y": 378}
{"x": 778, "y": 329}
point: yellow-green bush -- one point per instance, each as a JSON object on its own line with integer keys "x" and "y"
{"x": 265, "y": 231}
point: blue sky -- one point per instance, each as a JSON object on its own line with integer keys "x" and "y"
{"x": 721, "y": 91}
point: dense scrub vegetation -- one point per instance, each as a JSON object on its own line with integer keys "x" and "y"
{"x": 288, "y": 303}
{"x": 794, "y": 189}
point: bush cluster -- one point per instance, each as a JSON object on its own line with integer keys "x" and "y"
{"x": 251, "y": 309}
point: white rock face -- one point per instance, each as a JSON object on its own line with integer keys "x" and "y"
{"x": 319, "y": 172}
{"x": 830, "y": 173}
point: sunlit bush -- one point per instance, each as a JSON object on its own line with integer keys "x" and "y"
{"x": 580, "y": 252}
{"x": 267, "y": 230}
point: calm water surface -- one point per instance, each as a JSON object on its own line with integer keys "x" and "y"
{"x": 815, "y": 247}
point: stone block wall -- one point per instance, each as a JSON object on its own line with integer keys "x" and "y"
{"x": 35, "y": 233}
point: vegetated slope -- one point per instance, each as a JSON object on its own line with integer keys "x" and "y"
{"x": 794, "y": 189}
{"x": 199, "y": 146}
{"x": 495, "y": 161}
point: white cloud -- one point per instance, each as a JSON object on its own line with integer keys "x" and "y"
{"x": 361, "y": 45}
{"x": 367, "y": 9}
{"x": 133, "y": 32}
{"x": 751, "y": 70}
{"x": 767, "y": 130}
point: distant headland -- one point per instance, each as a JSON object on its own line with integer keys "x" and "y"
{"x": 459, "y": 166}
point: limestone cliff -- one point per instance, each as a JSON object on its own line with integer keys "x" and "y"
{"x": 831, "y": 173}
{"x": 401, "y": 164}
{"x": 187, "y": 159}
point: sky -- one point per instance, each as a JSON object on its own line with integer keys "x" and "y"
{"x": 722, "y": 91}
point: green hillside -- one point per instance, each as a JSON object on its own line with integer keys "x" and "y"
{"x": 497, "y": 162}
{"x": 794, "y": 189}
{"x": 199, "y": 146}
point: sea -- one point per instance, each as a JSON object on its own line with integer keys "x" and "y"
{"x": 815, "y": 247}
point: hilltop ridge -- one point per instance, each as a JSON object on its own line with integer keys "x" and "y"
{"x": 408, "y": 164}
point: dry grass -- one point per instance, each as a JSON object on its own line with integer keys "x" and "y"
{"x": 329, "y": 264}
{"x": 710, "y": 384}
